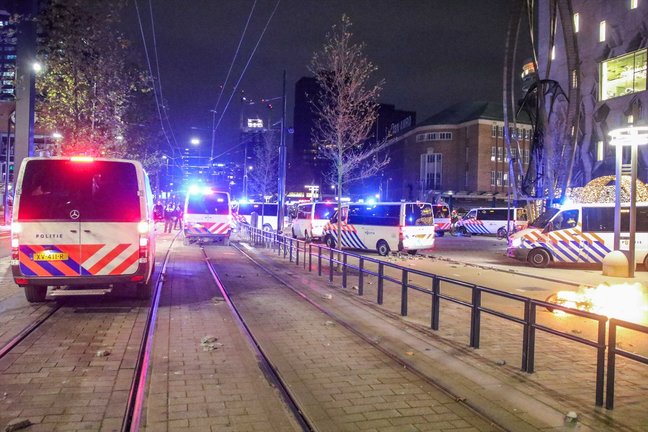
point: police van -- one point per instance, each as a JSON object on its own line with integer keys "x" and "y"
{"x": 578, "y": 233}
{"x": 309, "y": 219}
{"x": 207, "y": 216}
{"x": 442, "y": 219}
{"x": 383, "y": 227}
{"x": 81, "y": 222}
{"x": 492, "y": 220}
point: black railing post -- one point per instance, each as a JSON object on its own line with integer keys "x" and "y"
{"x": 525, "y": 335}
{"x": 475, "y": 317}
{"x": 297, "y": 253}
{"x": 381, "y": 272}
{"x": 404, "y": 283}
{"x": 611, "y": 364}
{"x": 600, "y": 361}
{"x": 531, "y": 339}
{"x": 319, "y": 260}
{"x": 310, "y": 257}
{"x": 344, "y": 270}
{"x": 331, "y": 265}
{"x": 436, "y": 303}
{"x": 290, "y": 253}
{"x": 361, "y": 277}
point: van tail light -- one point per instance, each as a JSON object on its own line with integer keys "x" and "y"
{"x": 401, "y": 236}
{"x": 143, "y": 247}
{"x": 143, "y": 227}
{"x": 16, "y": 228}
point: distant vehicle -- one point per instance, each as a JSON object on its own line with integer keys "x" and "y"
{"x": 577, "y": 233}
{"x": 492, "y": 220}
{"x": 259, "y": 215}
{"x": 207, "y": 216}
{"x": 384, "y": 227}
{"x": 82, "y": 222}
{"x": 442, "y": 219}
{"x": 309, "y": 219}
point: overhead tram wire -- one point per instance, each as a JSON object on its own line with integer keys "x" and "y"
{"x": 220, "y": 94}
{"x": 155, "y": 91}
{"x": 159, "y": 76}
{"x": 247, "y": 64}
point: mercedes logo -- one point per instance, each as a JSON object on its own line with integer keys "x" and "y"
{"x": 74, "y": 214}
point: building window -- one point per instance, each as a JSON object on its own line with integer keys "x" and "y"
{"x": 431, "y": 169}
{"x": 576, "y": 22}
{"x": 493, "y": 178}
{"x": 574, "y": 79}
{"x": 493, "y": 153}
{"x": 623, "y": 75}
{"x": 600, "y": 153}
{"x": 494, "y": 131}
{"x": 553, "y": 52}
{"x": 420, "y": 137}
{"x": 602, "y": 26}
{"x": 445, "y": 135}
{"x": 634, "y": 4}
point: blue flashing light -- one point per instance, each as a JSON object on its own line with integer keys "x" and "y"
{"x": 194, "y": 189}
{"x": 371, "y": 201}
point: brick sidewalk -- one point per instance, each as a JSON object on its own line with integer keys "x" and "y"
{"x": 490, "y": 377}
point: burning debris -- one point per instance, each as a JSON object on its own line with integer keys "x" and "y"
{"x": 625, "y": 301}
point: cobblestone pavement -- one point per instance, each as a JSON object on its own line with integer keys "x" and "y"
{"x": 340, "y": 381}
{"x": 489, "y": 378}
{"x": 215, "y": 385}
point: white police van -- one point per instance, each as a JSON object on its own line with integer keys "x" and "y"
{"x": 309, "y": 219}
{"x": 259, "y": 215}
{"x": 383, "y": 227}
{"x": 577, "y": 233}
{"x": 492, "y": 220}
{"x": 81, "y": 222}
{"x": 207, "y": 216}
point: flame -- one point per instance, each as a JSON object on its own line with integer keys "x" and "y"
{"x": 626, "y": 301}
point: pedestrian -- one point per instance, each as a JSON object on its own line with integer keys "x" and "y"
{"x": 178, "y": 214}
{"x": 169, "y": 212}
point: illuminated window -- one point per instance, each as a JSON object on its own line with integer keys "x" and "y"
{"x": 553, "y": 52}
{"x": 623, "y": 75}
{"x": 630, "y": 119}
{"x": 634, "y": 4}
{"x": 576, "y": 22}
{"x": 494, "y": 130}
{"x": 602, "y": 26}
{"x": 599, "y": 151}
{"x": 574, "y": 79}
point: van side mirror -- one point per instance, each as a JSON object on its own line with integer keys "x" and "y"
{"x": 549, "y": 227}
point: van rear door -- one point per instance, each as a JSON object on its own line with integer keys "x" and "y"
{"x": 78, "y": 218}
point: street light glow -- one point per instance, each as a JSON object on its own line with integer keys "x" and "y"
{"x": 195, "y": 141}
{"x": 57, "y": 135}
{"x": 37, "y": 67}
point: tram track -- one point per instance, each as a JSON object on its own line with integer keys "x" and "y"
{"x": 265, "y": 363}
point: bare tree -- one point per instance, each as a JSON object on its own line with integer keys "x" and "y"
{"x": 346, "y": 110}
{"x": 263, "y": 179}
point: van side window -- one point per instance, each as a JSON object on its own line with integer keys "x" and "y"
{"x": 565, "y": 220}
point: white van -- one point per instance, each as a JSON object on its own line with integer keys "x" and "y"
{"x": 577, "y": 233}
{"x": 207, "y": 216}
{"x": 310, "y": 218}
{"x": 80, "y": 222}
{"x": 442, "y": 219}
{"x": 492, "y": 220}
{"x": 384, "y": 227}
{"x": 259, "y": 215}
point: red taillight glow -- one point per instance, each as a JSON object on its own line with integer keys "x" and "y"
{"x": 138, "y": 278}
{"x": 82, "y": 159}
{"x": 21, "y": 281}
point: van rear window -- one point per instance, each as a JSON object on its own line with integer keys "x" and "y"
{"x": 213, "y": 203}
{"x": 99, "y": 191}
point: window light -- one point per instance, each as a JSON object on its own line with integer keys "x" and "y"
{"x": 602, "y": 26}
{"x": 576, "y": 22}
{"x": 634, "y": 4}
{"x": 553, "y": 52}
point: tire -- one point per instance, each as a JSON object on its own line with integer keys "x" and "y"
{"x": 143, "y": 291}
{"x": 330, "y": 242}
{"x": 382, "y": 248}
{"x": 267, "y": 228}
{"x": 412, "y": 252}
{"x": 35, "y": 294}
{"x": 439, "y": 233}
{"x": 538, "y": 258}
{"x": 501, "y": 233}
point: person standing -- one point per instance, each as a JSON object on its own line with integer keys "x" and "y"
{"x": 169, "y": 212}
{"x": 178, "y": 217}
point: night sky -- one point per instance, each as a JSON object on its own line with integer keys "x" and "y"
{"x": 431, "y": 53}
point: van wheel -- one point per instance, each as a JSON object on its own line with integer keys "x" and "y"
{"x": 502, "y": 233}
{"x": 267, "y": 228}
{"x": 143, "y": 291}
{"x": 439, "y": 233}
{"x": 538, "y": 258}
{"x": 35, "y": 294}
{"x": 330, "y": 242}
{"x": 382, "y": 247}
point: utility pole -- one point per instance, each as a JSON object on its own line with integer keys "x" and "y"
{"x": 282, "y": 162}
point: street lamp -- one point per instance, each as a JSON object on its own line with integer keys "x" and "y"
{"x": 632, "y": 137}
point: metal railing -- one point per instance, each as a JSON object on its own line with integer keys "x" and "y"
{"x": 301, "y": 251}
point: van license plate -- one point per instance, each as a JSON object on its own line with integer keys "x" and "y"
{"x": 50, "y": 256}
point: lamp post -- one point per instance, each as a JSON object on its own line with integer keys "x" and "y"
{"x": 632, "y": 137}
{"x": 5, "y": 198}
